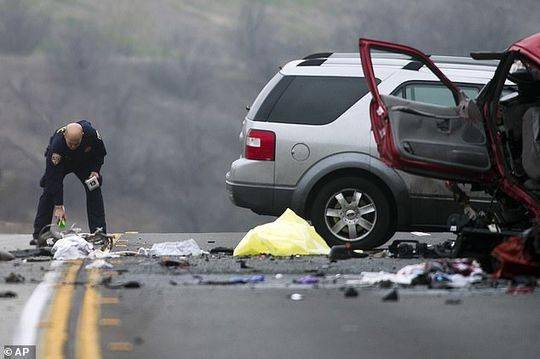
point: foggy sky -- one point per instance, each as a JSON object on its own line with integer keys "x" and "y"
{"x": 167, "y": 82}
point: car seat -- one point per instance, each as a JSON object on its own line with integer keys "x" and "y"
{"x": 531, "y": 147}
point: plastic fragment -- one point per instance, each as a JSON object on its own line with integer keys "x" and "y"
{"x": 351, "y": 292}
{"x": 391, "y": 296}
{"x": 296, "y": 296}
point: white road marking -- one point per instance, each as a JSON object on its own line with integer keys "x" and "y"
{"x": 26, "y": 332}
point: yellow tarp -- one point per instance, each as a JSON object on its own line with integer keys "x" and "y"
{"x": 287, "y": 235}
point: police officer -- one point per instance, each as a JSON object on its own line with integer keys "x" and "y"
{"x": 76, "y": 148}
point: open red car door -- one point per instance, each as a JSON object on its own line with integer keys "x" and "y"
{"x": 436, "y": 141}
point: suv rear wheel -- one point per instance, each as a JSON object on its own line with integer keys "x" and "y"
{"x": 352, "y": 210}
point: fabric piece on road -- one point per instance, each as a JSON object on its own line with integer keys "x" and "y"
{"x": 287, "y": 235}
{"x": 457, "y": 273}
{"x": 516, "y": 259}
{"x": 183, "y": 248}
{"x": 71, "y": 247}
{"x": 6, "y": 256}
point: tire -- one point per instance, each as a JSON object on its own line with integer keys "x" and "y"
{"x": 337, "y": 210}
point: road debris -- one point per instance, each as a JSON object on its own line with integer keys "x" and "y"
{"x": 71, "y": 247}
{"x": 235, "y": 280}
{"x": 296, "y": 296}
{"x": 516, "y": 257}
{"x": 99, "y": 264}
{"x": 183, "y": 248}
{"x": 406, "y": 248}
{"x": 224, "y": 250}
{"x": 6, "y": 256}
{"x": 14, "y": 278}
{"x": 8, "y": 294}
{"x": 132, "y": 284}
{"x": 38, "y": 259}
{"x": 174, "y": 263}
{"x": 391, "y": 296}
{"x": 436, "y": 274}
{"x": 522, "y": 284}
{"x": 350, "y": 292}
{"x": 33, "y": 252}
{"x": 243, "y": 264}
{"x": 287, "y": 235}
{"x": 345, "y": 252}
{"x": 453, "y": 301}
{"x": 306, "y": 280}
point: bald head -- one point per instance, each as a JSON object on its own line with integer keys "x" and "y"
{"x": 73, "y": 135}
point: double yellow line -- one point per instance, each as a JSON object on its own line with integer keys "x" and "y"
{"x": 88, "y": 343}
{"x": 56, "y": 335}
{"x": 87, "y": 338}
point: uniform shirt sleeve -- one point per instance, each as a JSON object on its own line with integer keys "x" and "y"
{"x": 54, "y": 175}
{"x": 98, "y": 149}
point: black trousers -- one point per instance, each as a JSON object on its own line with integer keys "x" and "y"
{"x": 94, "y": 205}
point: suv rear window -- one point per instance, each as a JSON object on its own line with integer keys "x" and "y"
{"x": 311, "y": 100}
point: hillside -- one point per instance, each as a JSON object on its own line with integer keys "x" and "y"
{"x": 166, "y": 83}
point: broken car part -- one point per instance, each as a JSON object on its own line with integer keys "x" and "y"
{"x": 341, "y": 252}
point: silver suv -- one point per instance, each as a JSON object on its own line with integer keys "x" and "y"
{"x": 308, "y": 146}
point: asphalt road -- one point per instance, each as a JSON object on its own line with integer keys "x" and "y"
{"x": 172, "y": 315}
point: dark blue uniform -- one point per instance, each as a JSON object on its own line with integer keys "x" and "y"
{"x": 60, "y": 161}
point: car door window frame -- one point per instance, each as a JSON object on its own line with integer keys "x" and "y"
{"x": 403, "y": 86}
{"x": 366, "y": 46}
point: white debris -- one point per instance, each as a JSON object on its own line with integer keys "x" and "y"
{"x": 184, "y": 248}
{"x": 71, "y": 247}
{"x": 99, "y": 264}
{"x": 143, "y": 251}
{"x": 99, "y": 254}
{"x": 420, "y": 234}
{"x": 437, "y": 275}
{"x": 296, "y": 296}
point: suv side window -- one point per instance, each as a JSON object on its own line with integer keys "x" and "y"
{"x": 311, "y": 100}
{"x": 434, "y": 93}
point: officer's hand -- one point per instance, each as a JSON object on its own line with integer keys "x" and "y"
{"x": 59, "y": 213}
{"x": 93, "y": 174}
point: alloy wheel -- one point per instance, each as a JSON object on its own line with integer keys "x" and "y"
{"x": 350, "y": 214}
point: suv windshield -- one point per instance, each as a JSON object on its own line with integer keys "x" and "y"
{"x": 311, "y": 100}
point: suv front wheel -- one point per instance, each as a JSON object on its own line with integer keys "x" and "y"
{"x": 352, "y": 210}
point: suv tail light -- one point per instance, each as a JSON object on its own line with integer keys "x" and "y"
{"x": 260, "y": 145}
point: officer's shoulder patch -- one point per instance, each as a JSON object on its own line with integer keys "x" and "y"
{"x": 56, "y": 158}
{"x": 98, "y": 135}
{"x": 61, "y": 129}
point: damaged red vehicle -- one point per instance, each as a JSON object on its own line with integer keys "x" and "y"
{"x": 491, "y": 144}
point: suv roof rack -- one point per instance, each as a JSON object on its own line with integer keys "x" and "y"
{"x": 440, "y": 59}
